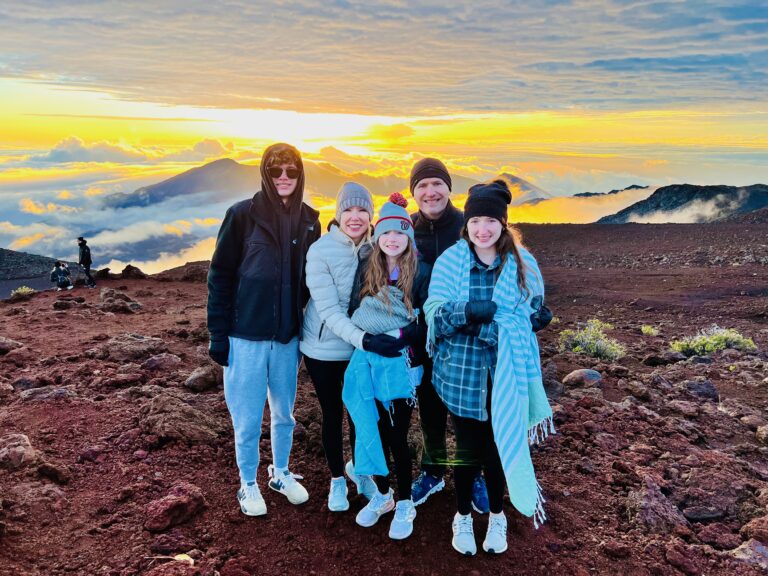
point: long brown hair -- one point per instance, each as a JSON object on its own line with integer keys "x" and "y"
{"x": 510, "y": 241}
{"x": 376, "y": 279}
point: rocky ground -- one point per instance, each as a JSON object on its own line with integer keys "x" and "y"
{"x": 116, "y": 450}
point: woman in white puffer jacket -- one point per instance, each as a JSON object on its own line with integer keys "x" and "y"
{"x": 328, "y": 335}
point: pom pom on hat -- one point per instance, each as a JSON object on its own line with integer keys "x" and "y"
{"x": 399, "y": 199}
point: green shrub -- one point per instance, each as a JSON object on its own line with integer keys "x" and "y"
{"x": 649, "y": 330}
{"x": 22, "y": 293}
{"x": 711, "y": 340}
{"x": 555, "y": 320}
{"x": 592, "y": 341}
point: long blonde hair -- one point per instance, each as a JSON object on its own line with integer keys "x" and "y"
{"x": 376, "y": 279}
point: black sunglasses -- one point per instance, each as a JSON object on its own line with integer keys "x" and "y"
{"x": 276, "y": 172}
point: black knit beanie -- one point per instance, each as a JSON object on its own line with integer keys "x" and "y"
{"x": 490, "y": 199}
{"x": 429, "y": 168}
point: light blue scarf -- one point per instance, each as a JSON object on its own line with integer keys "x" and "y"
{"x": 520, "y": 411}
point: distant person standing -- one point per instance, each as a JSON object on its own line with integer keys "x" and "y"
{"x": 437, "y": 226}
{"x": 85, "y": 261}
{"x": 256, "y": 298}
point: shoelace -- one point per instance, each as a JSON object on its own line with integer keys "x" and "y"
{"x": 287, "y": 479}
{"x": 497, "y": 525}
{"x": 464, "y": 525}
{"x": 337, "y": 489}
{"x": 251, "y": 492}
{"x": 403, "y": 510}
{"x": 378, "y": 500}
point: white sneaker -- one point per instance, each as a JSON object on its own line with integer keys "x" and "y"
{"x": 285, "y": 483}
{"x": 363, "y": 484}
{"x": 337, "y": 496}
{"x": 251, "y": 501}
{"x": 496, "y": 537}
{"x": 379, "y": 505}
{"x": 70, "y": 287}
{"x": 402, "y": 523}
{"x": 464, "y": 535}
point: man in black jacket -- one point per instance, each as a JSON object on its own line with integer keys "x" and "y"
{"x": 85, "y": 261}
{"x": 437, "y": 226}
{"x": 256, "y": 297}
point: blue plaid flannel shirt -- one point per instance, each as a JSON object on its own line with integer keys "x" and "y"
{"x": 463, "y": 362}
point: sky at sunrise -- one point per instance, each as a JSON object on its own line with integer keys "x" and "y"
{"x": 103, "y": 98}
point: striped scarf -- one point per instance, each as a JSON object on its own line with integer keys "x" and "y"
{"x": 520, "y": 411}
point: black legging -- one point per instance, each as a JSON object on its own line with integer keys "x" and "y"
{"x": 433, "y": 416}
{"x": 475, "y": 447}
{"x": 328, "y": 379}
{"x": 394, "y": 439}
{"x": 88, "y": 278}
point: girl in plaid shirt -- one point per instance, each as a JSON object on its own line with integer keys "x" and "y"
{"x": 481, "y": 286}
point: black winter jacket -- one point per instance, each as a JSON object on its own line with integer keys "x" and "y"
{"x": 248, "y": 287}
{"x": 420, "y": 292}
{"x": 433, "y": 237}
{"x": 85, "y": 255}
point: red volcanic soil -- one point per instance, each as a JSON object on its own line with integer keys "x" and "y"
{"x": 109, "y": 461}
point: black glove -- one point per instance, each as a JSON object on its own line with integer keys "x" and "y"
{"x": 411, "y": 334}
{"x": 383, "y": 345}
{"x": 480, "y": 311}
{"x": 218, "y": 350}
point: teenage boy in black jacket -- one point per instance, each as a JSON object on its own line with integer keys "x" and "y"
{"x": 437, "y": 226}
{"x": 85, "y": 261}
{"x": 256, "y": 296}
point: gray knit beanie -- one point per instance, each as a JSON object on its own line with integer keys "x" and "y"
{"x": 353, "y": 194}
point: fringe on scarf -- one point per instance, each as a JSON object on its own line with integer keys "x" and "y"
{"x": 412, "y": 400}
{"x": 540, "y": 431}
{"x": 539, "y": 516}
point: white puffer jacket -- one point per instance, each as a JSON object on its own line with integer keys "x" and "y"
{"x": 328, "y": 333}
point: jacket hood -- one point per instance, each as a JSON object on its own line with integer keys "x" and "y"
{"x": 268, "y": 186}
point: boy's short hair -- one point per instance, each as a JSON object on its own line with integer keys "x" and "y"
{"x": 286, "y": 154}
{"x": 57, "y": 263}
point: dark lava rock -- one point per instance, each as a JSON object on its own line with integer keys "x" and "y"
{"x": 62, "y": 305}
{"x": 59, "y": 474}
{"x": 583, "y": 377}
{"x": 649, "y": 509}
{"x": 169, "y": 418}
{"x": 164, "y": 361}
{"x": 6, "y": 345}
{"x": 173, "y": 542}
{"x": 752, "y": 552}
{"x": 131, "y": 272}
{"x": 719, "y": 536}
{"x": 663, "y": 359}
{"x": 615, "y": 549}
{"x": 705, "y": 389}
{"x": 205, "y": 378}
{"x": 679, "y": 555}
{"x": 757, "y": 529}
{"x": 16, "y": 452}
{"x": 182, "y": 502}
{"x": 703, "y": 513}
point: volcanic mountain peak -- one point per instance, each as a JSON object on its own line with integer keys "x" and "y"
{"x": 523, "y": 191}
{"x": 689, "y": 203}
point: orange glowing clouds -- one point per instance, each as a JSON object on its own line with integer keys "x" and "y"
{"x": 26, "y": 241}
